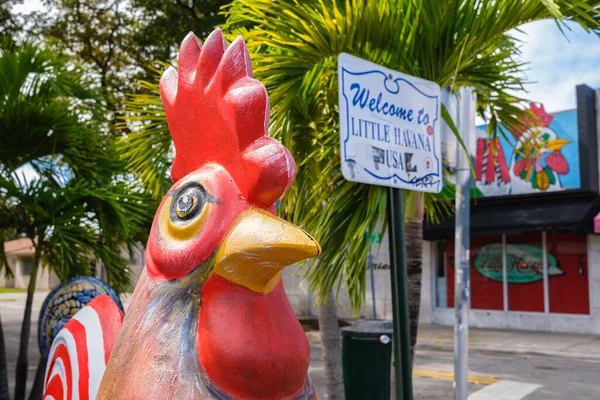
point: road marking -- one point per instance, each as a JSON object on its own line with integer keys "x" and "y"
{"x": 449, "y": 376}
{"x": 505, "y": 390}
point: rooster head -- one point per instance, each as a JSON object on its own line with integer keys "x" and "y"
{"x": 228, "y": 173}
{"x": 211, "y": 300}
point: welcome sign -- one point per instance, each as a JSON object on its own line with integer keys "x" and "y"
{"x": 389, "y": 127}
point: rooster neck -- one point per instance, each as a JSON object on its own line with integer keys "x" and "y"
{"x": 155, "y": 355}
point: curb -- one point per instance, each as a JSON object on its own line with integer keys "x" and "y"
{"x": 562, "y": 355}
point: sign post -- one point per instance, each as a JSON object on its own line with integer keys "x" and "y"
{"x": 401, "y": 321}
{"x": 466, "y": 126}
{"x": 390, "y": 136}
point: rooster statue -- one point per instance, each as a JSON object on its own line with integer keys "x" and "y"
{"x": 209, "y": 318}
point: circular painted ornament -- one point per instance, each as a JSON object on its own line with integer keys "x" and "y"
{"x": 63, "y": 303}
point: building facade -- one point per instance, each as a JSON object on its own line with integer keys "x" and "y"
{"x": 19, "y": 254}
{"x": 534, "y": 246}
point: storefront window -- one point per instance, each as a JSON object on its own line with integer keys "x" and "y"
{"x": 525, "y": 272}
{"x": 523, "y": 255}
{"x": 568, "y": 273}
{"x": 485, "y": 273}
{"x": 441, "y": 288}
{"x": 449, "y": 260}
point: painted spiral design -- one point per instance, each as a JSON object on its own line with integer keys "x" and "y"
{"x": 80, "y": 351}
{"x": 64, "y": 301}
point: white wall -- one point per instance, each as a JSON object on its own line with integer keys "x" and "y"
{"x": 303, "y": 303}
{"x": 46, "y": 279}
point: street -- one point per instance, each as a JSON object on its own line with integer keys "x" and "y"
{"x": 503, "y": 364}
{"x": 558, "y": 377}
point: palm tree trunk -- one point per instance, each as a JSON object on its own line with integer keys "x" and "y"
{"x": 3, "y": 367}
{"x": 331, "y": 346}
{"x": 413, "y": 231}
{"x": 414, "y": 266}
{"x": 38, "y": 383}
{"x": 22, "y": 362}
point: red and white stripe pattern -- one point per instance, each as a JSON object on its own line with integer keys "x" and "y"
{"x": 81, "y": 350}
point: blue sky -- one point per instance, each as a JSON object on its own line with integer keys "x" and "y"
{"x": 558, "y": 62}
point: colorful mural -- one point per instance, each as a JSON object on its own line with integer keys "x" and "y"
{"x": 542, "y": 158}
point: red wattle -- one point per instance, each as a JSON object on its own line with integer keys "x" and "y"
{"x": 251, "y": 345}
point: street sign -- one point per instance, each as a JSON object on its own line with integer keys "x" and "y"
{"x": 389, "y": 127}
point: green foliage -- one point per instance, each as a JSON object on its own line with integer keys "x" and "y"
{"x": 166, "y": 22}
{"x": 97, "y": 34}
{"x": 147, "y": 143}
{"x": 118, "y": 41}
{"x": 76, "y": 205}
{"x": 294, "y": 47}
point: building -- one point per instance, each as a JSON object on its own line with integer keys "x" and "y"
{"x": 19, "y": 254}
{"x": 534, "y": 248}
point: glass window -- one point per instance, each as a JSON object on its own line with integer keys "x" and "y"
{"x": 26, "y": 266}
{"x": 568, "y": 282}
{"x": 568, "y": 273}
{"x": 525, "y": 272}
{"x": 449, "y": 260}
{"x": 487, "y": 291}
{"x": 485, "y": 273}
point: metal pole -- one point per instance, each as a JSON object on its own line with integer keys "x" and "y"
{"x": 466, "y": 124}
{"x": 372, "y": 280}
{"x": 401, "y": 321}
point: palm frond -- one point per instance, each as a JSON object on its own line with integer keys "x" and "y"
{"x": 456, "y": 43}
{"x": 146, "y": 144}
{"x": 81, "y": 207}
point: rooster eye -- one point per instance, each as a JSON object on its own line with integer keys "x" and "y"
{"x": 188, "y": 202}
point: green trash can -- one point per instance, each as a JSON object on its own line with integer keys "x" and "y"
{"x": 367, "y": 359}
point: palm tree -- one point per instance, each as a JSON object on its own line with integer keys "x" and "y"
{"x": 77, "y": 206}
{"x": 294, "y": 46}
{"x": 455, "y": 43}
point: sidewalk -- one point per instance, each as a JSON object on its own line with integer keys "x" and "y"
{"x": 496, "y": 341}
{"x": 503, "y": 364}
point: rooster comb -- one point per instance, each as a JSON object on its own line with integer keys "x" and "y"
{"x": 218, "y": 113}
{"x": 540, "y": 118}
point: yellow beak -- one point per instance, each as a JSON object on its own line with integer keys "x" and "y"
{"x": 259, "y": 246}
{"x": 557, "y": 144}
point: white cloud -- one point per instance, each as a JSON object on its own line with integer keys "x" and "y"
{"x": 28, "y": 6}
{"x": 558, "y": 63}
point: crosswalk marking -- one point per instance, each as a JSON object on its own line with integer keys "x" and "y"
{"x": 504, "y": 390}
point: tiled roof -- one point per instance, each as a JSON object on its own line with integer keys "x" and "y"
{"x": 18, "y": 247}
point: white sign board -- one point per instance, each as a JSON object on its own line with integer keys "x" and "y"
{"x": 389, "y": 127}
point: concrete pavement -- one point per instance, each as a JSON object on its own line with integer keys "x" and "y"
{"x": 503, "y": 365}
{"x": 522, "y": 343}
{"x": 12, "y": 306}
